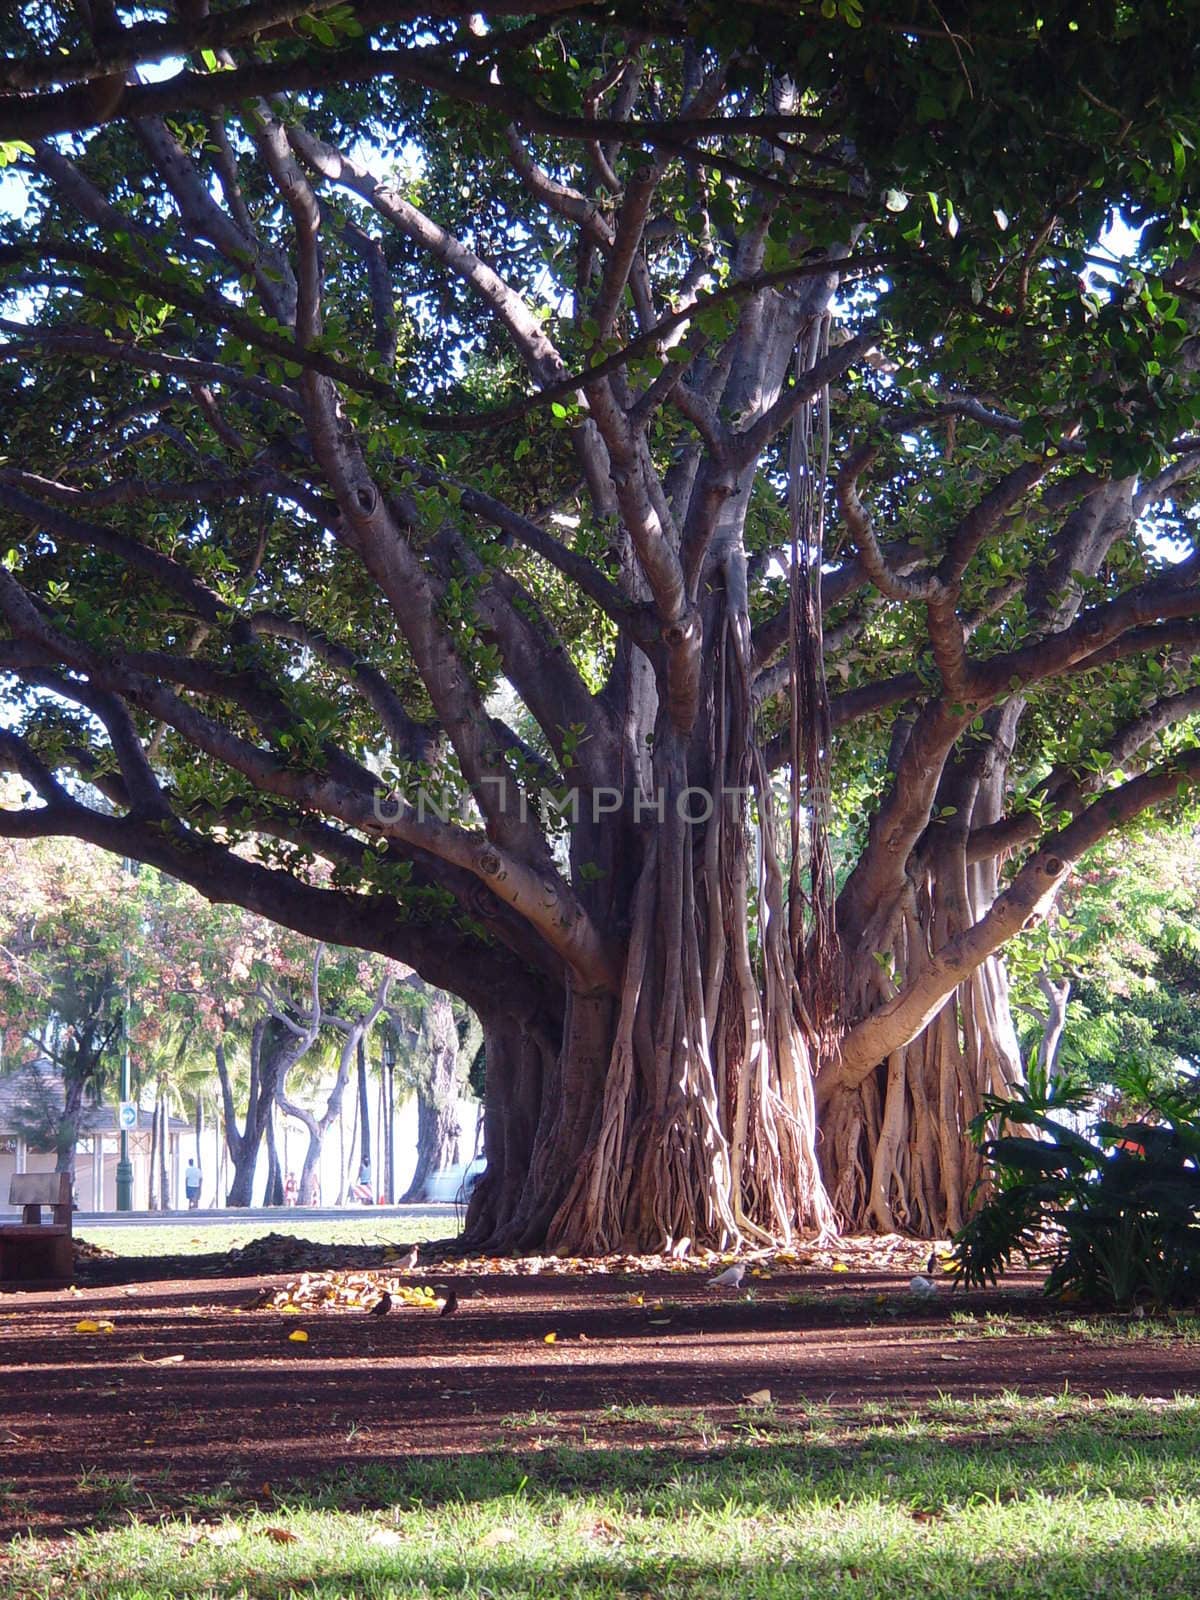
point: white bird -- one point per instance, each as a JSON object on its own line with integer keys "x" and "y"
{"x": 922, "y": 1286}
{"x": 407, "y": 1262}
{"x": 731, "y": 1278}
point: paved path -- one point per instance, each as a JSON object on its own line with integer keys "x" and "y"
{"x": 285, "y": 1217}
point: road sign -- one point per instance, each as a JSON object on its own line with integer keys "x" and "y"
{"x": 127, "y": 1116}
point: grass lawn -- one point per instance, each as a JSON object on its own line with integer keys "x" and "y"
{"x": 180, "y": 1239}
{"x": 1014, "y": 1496}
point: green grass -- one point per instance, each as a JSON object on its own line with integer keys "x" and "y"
{"x": 1171, "y": 1327}
{"x": 1051, "y": 1499}
{"x": 182, "y": 1239}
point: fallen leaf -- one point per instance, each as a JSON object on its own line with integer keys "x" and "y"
{"x": 86, "y": 1325}
{"x": 388, "y": 1538}
{"x": 839, "y": 1266}
{"x": 600, "y": 1528}
{"x": 282, "y": 1535}
{"x": 297, "y": 1336}
{"x": 159, "y": 1361}
{"x": 497, "y": 1536}
{"x": 225, "y": 1533}
{"x": 758, "y": 1397}
{"x": 551, "y": 1338}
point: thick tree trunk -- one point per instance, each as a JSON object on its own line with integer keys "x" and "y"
{"x": 896, "y": 1149}
{"x": 521, "y": 1056}
{"x": 682, "y": 1110}
{"x": 437, "y": 1096}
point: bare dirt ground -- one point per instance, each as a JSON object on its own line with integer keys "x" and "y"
{"x": 199, "y": 1393}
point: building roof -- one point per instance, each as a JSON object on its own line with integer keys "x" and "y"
{"x": 39, "y": 1083}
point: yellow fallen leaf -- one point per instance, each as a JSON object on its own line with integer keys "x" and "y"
{"x": 86, "y": 1325}
{"x": 290, "y": 1309}
{"x": 551, "y": 1338}
{"x": 297, "y": 1336}
{"x": 840, "y": 1266}
{"x": 282, "y": 1535}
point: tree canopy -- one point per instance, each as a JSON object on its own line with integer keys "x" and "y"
{"x": 492, "y": 487}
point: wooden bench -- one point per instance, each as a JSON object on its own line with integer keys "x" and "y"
{"x": 33, "y": 1251}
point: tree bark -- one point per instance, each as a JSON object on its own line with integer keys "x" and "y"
{"x": 364, "y": 1109}
{"x": 437, "y": 1096}
{"x": 267, "y": 1058}
{"x": 273, "y": 1194}
{"x": 164, "y": 1147}
{"x": 1057, "y": 992}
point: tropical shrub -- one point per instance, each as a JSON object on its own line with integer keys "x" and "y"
{"x": 1119, "y": 1204}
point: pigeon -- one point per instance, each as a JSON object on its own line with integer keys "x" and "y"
{"x": 922, "y": 1287}
{"x": 450, "y": 1306}
{"x": 407, "y": 1262}
{"x": 382, "y": 1306}
{"x": 731, "y": 1278}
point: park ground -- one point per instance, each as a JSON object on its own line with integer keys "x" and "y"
{"x": 621, "y": 1432}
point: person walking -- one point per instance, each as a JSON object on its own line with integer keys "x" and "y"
{"x": 192, "y": 1180}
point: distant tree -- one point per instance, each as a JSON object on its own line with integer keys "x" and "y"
{"x": 359, "y": 993}
{"x": 1123, "y": 960}
{"x": 434, "y": 1071}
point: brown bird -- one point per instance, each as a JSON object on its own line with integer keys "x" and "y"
{"x": 382, "y": 1306}
{"x": 450, "y": 1306}
{"x": 407, "y": 1262}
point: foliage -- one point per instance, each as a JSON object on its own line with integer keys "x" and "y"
{"x": 1125, "y": 1201}
{"x": 1127, "y": 938}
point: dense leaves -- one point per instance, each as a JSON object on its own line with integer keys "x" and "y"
{"x": 1125, "y": 1202}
